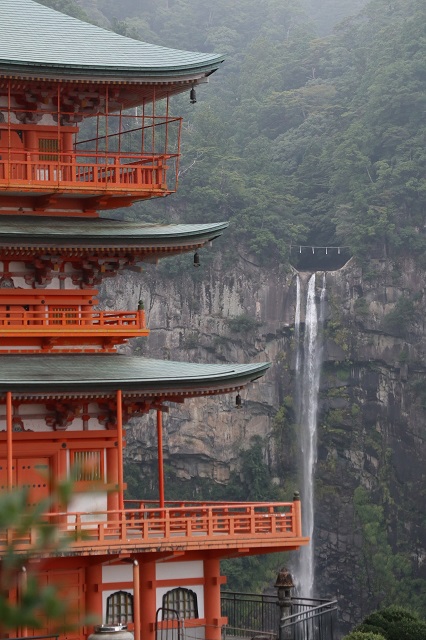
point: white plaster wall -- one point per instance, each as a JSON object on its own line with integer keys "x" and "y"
{"x": 91, "y": 504}
{"x": 194, "y": 633}
{"x": 117, "y": 573}
{"x": 182, "y": 570}
{"x": 34, "y": 424}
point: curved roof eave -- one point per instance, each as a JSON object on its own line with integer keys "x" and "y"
{"x": 85, "y": 374}
{"x": 44, "y": 230}
{"x": 40, "y": 39}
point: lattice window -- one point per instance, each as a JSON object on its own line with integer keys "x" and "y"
{"x": 119, "y": 608}
{"x": 47, "y": 148}
{"x": 184, "y": 601}
{"x": 87, "y": 466}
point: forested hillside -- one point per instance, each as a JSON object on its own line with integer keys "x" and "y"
{"x": 300, "y": 139}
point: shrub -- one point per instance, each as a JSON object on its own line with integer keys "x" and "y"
{"x": 361, "y": 308}
{"x": 394, "y": 623}
{"x": 364, "y": 635}
{"x": 398, "y": 321}
{"x": 242, "y": 323}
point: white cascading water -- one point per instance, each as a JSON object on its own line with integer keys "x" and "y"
{"x": 308, "y": 370}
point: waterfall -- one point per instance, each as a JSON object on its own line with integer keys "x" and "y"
{"x": 308, "y": 369}
{"x": 297, "y": 327}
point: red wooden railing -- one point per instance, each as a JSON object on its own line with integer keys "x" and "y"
{"x": 11, "y": 321}
{"x": 87, "y": 171}
{"x": 182, "y": 525}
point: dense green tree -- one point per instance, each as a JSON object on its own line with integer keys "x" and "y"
{"x": 70, "y": 7}
{"x": 393, "y": 623}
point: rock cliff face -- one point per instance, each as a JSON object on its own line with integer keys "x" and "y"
{"x": 370, "y": 472}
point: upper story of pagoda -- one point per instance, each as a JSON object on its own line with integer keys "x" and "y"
{"x": 84, "y": 114}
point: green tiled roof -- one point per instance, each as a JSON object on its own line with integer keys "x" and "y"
{"x": 81, "y": 373}
{"x": 34, "y": 37}
{"x": 31, "y": 231}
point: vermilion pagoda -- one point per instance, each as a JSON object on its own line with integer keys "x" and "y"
{"x": 85, "y": 127}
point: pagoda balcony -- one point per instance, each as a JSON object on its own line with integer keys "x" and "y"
{"x": 55, "y": 169}
{"x": 68, "y": 329}
{"x": 133, "y": 177}
{"x": 228, "y": 527}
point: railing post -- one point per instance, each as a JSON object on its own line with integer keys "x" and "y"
{"x": 297, "y": 515}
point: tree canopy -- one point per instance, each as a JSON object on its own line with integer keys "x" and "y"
{"x": 300, "y": 139}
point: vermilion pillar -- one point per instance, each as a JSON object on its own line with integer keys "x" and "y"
{"x": 94, "y": 594}
{"x": 212, "y": 607}
{"x": 148, "y": 601}
{"x": 9, "y": 440}
{"x": 120, "y": 449}
{"x": 160, "y": 457}
{"x": 136, "y": 601}
{"x": 112, "y": 478}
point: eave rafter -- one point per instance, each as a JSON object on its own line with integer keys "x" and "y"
{"x": 138, "y": 402}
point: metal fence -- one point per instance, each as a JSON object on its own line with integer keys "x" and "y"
{"x": 251, "y": 615}
{"x": 250, "y": 612}
{"x": 310, "y": 620}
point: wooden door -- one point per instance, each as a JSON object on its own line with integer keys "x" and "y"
{"x": 3, "y": 474}
{"x": 30, "y": 473}
{"x": 69, "y": 588}
{"x": 34, "y": 475}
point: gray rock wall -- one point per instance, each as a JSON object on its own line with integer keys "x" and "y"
{"x": 372, "y": 401}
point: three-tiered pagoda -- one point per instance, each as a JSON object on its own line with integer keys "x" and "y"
{"x": 85, "y": 127}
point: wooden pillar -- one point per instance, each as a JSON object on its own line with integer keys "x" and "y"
{"x": 9, "y": 440}
{"x": 136, "y": 601}
{"x": 120, "y": 449}
{"x": 94, "y": 594}
{"x": 112, "y": 478}
{"x": 212, "y": 606}
{"x": 148, "y": 601}
{"x": 160, "y": 457}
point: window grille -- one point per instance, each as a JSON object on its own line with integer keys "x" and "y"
{"x": 69, "y": 313}
{"x": 184, "y": 601}
{"x": 87, "y": 465}
{"x": 47, "y": 147}
{"x": 119, "y": 608}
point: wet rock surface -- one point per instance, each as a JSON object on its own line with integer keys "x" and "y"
{"x": 371, "y": 423}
